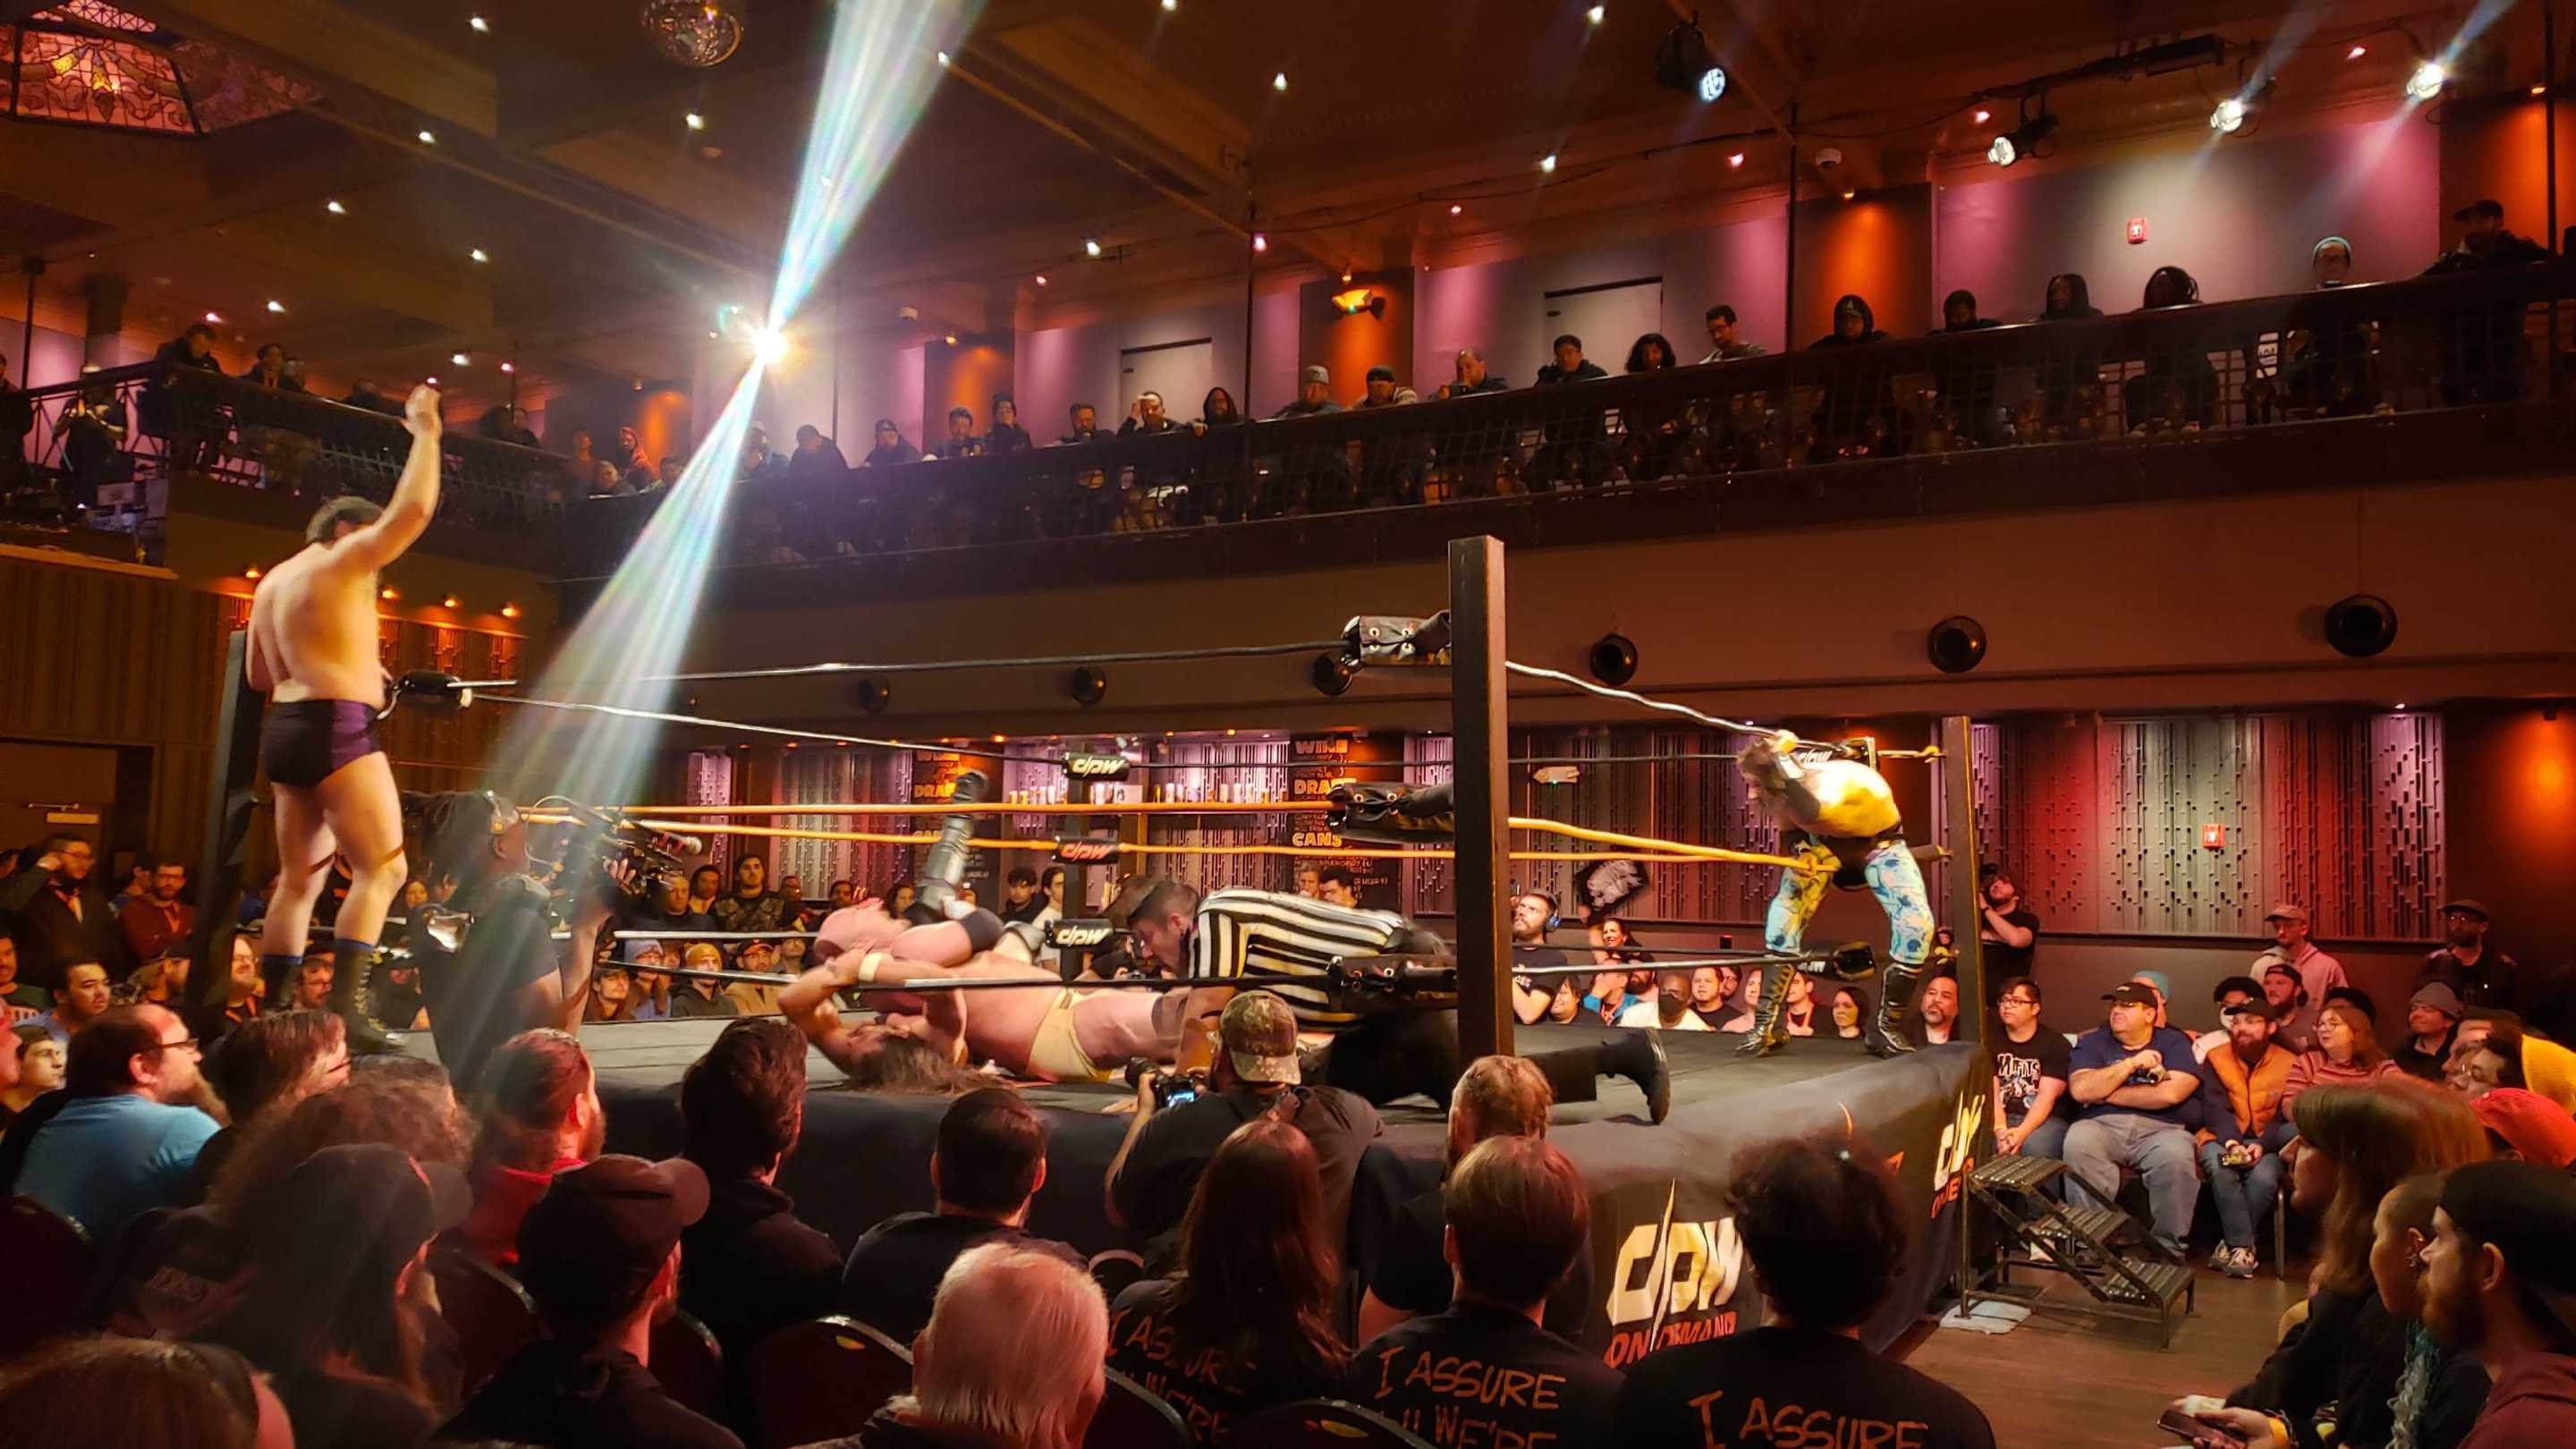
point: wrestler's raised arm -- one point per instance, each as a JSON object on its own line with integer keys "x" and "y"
{"x": 415, "y": 497}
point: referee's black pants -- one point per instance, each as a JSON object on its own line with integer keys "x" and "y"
{"x": 1385, "y": 1057}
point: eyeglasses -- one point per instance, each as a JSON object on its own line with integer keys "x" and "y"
{"x": 190, "y": 1045}
{"x": 2021, "y": 1001}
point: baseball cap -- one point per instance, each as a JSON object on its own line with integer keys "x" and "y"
{"x": 2529, "y": 1213}
{"x": 1260, "y": 1037}
{"x": 2131, "y": 993}
{"x": 2257, "y": 1006}
{"x": 2439, "y": 996}
{"x": 2283, "y": 968}
{"x": 603, "y": 1225}
{"x": 2483, "y": 206}
{"x": 2156, "y": 979}
{"x": 1315, "y": 373}
{"x": 361, "y": 1205}
{"x": 2287, "y": 912}
{"x": 1381, "y": 373}
{"x": 886, "y": 425}
{"x": 2468, "y": 907}
{"x": 2529, "y": 1123}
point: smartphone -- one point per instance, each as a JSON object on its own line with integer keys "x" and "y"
{"x": 2197, "y": 1434}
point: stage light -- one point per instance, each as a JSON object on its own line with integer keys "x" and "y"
{"x": 481, "y": 26}
{"x": 1612, "y": 659}
{"x": 2360, "y": 625}
{"x": 1597, "y": 14}
{"x": 335, "y": 208}
{"x": 695, "y": 121}
{"x": 1091, "y": 246}
{"x": 458, "y": 358}
{"x": 428, "y": 138}
{"x": 1279, "y": 82}
{"x": 1260, "y": 243}
{"x": 276, "y": 306}
{"x": 1956, "y": 644}
{"x": 1547, "y": 164}
{"x": 479, "y": 255}
{"x": 1684, "y": 62}
{"x": 2427, "y": 81}
{"x": 2228, "y": 118}
{"x": 1735, "y": 158}
{"x": 768, "y": 346}
{"x": 2022, "y": 141}
{"x": 1087, "y": 684}
{"x": 1712, "y": 84}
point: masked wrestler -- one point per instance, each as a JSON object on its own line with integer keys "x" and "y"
{"x": 1049, "y": 1032}
{"x": 1839, "y": 817}
{"x": 313, "y": 653}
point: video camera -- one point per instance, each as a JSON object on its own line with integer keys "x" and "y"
{"x": 597, "y": 841}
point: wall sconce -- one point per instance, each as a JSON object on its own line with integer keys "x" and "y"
{"x": 1355, "y": 300}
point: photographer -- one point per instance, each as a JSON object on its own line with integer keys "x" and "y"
{"x": 507, "y": 974}
{"x": 1255, "y": 1072}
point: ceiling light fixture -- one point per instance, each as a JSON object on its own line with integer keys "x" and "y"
{"x": 1279, "y": 82}
{"x": 695, "y": 121}
{"x": 1684, "y": 62}
{"x": 2540, "y": 90}
{"x": 1091, "y": 246}
{"x": 451, "y": 602}
{"x": 459, "y": 359}
{"x": 943, "y": 58}
{"x": 481, "y": 26}
{"x": 215, "y": 318}
{"x": 1260, "y": 242}
{"x": 509, "y": 611}
{"x": 1456, "y": 210}
{"x": 2231, "y": 114}
{"x": 1735, "y": 159}
{"x": 2357, "y": 52}
{"x": 335, "y": 208}
{"x": 428, "y": 138}
{"x": 1984, "y": 115}
{"x": 2019, "y": 143}
{"x": 1041, "y": 279}
{"x": 479, "y": 255}
{"x": 1170, "y": 5}
{"x": 429, "y": 381}
{"x": 510, "y": 367}
{"x": 388, "y": 593}
{"x": 950, "y": 339}
{"x": 1547, "y": 164}
{"x": 1597, "y": 14}
{"x": 768, "y": 346}
{"x": 1848, "y": 195}
{"x": 2427, "y": 81}
{"x": 276, "y": 306}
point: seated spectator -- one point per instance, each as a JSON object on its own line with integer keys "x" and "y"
{"x": 395, "y": 1100}
{"x": 313, "y": 985}
{"x": 2432, "y": 1024}
{"x": 891, "y": 447}
{"x": 1827, "y": 1238}
{"x": 541, "y": 1117}
{"x": 2245, "y": 1122}
{"x": 612, "y": 994}
{"x": 962, "y": 441}
{"x": 1967, "y": 388}
{"x": 1574, "y": 447}
{"x": 1085, "y": 420}
{"x": 2356, "y": 1144}
{"x": 1247, "y": 1322}
{"x": 696, "y": 996}
{"x": 244, "y": 987}
{"x": 2358, "y": 999}
{"x": 1666, "y": 1008}
{"x": 749, "y": 1266}
{"x": 2345, "y": 1052}
{"x": 2178, "y": 388}
{"x": 159, "y": 923}
{"x": 1723, "y": 343}
{"x": 1711, "y": 989}
{"x": 1856, "y": 416}
{"x": 758, "y": 957}
{"x": 2492, "y": 1050}
{"x": 2031, "y": 1107}
{"x": 337, "y": 1308}
{"x": 817, "y": 459}
{"x": 1314, "y": 395}
{"x": 2292, "y": 1009}
{"x": 130, "y": 1125}
{"x": 1496, "y": 1097}
{"x": 1007, "y": 436}
{"x": 1938, "y": 1007}
{"x": 39, "y": 1068}
{"x": 600, "y": 1254}
{"x": 988, "y": 1166}
{"x": 1154, "y": 1177}
{"x": 1011, "y": 1359}
{"x": 19, "y": 999}
{"x": 1383, "y": 391}
{"x": 2068, "y": 389}
{"x": 2155, "y": 981}
{"x": 2230, "y": 993}
{"x": 2500, "y": 1283}
{"x": 1518, "y": 1218}
{"x": 762, "y": 465}
{"x": 2526, "y": 1125}
{"x": 79, "y": 998}
{"x": 2132, "y": 1083}
{"x": 81, "y": 1393}
{"x": 261, "y": 1069}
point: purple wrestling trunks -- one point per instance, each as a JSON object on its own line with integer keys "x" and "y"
{"x": 305, "y": 742}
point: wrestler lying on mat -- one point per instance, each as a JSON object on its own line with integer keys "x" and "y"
{"x": 1049, "y": 1033}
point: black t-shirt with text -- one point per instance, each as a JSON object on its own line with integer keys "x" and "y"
{"x": 1790, "y": 1388}
{"x": 1412, "y": 1274}
{"x": 2003, "y": 961}
{"x": 895, "y": 1267}
{"x": 2019, "y": 1066}
{"x": 1477, "y": 1376}
{"x": 1203, "y": 1383}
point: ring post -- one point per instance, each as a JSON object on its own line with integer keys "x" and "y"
{"x": 230, "y": 772}
{"x": 1478, "y": 719}
{"x": 1962, "y": 903}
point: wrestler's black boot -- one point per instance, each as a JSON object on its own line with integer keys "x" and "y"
{"x": 943, "y": 869}
{"x": 1770, "y": 1025}
{"x": 352, "y": 963}
{"x": 1639, "y": 1056}
{"x": 1895, "y": 991}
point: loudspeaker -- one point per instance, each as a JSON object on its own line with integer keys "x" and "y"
{"x": 875, "y": 695}
{"x": 1087, "y": 684}
{"x": 1956, "y": 645}
{"x": 2361, "y": 625}
{"x": 1332, "y": 673}
{"x": 1613, "y": 659}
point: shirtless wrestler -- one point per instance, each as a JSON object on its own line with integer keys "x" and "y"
{"x": 1050, "y": 1032}
{"x": 313, "y": 653}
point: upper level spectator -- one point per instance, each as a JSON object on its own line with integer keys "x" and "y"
{"x": 1495, "y": 1097}
{"x": 634, "y": 470}
{"x": 1651, "y": 352}
{"x": 2068, "y": 299}
{"x": 749, "y": 1265}
{"x": 130, "y": 1125}
{"x": 76, "y": 1393}
{"x": 891, "y": 448}
{"x": 1006, "y": 434}
{"x": 2133, "y": 1081}
{"x": 1085, "y": 420}
{"x": 160, "y": 922}
{"x": 760, "y": 464}
{"x": 2318, "y": 972}
{"x": 1827, "y": 1237}
{"x": 1217, "y": 410}
{"x": 58, "y": 915}
{"x": 600, "y": 1254}
{"x": 989, "y": 1164}
{"x": 541, "y": 1116}
{"x": 1146, "y": 415}
{"x": 1472, "y": 377}
{"x": 1314, "y": 395}
{"x": 817, "y": 458}
{"x": 1011, "y": 1359}
{"x": 2179, "y": 387}
{"x": 962, "y": 440}
{"x": 1247, "y": 1322}
{"x": 1254, "y": 1073}
{"x": 333, "y": 1311}
{"x": 1723, "y": 343}
{"x": 2499, "y": 1282}
{"x": 2485, "y": 242}
{"x": 1382, "y": 390}
{"x": 1518, "y": 1218}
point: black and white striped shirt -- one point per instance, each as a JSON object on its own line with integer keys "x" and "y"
{"x": 1267, "y": 931}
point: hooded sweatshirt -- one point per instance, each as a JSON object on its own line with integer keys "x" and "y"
{"x": 2533, "y": 1402}
{"x": 2079, "y": 301}
{"x": 1847, "y": 304}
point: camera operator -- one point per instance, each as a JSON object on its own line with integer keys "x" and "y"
{"x": 507, "y": 974}
{"x": 1254, "y": 1072}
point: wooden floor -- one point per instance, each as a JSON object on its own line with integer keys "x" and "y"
{"x": 2065, "y": 1382}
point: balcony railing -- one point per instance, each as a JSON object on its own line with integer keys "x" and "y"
{"x": 101, "y": 444}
